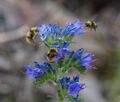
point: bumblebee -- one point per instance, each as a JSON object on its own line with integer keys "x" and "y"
{"x": 90, "y": 24}
{"x": 31, "y": 35}
{"x": 51, "y": 54}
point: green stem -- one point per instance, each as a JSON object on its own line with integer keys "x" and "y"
{"x": 70, "y": 59}
{"x": 60, "y": 94}
{"x": 59, "y": 87}
{"x": 46, "y": 44}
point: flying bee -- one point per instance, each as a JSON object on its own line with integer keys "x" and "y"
{"x": 31, "y": 35}
{"x": 51, "y": 54}
{"x": 91, "y": 24}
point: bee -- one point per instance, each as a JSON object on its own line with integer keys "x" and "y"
{"x": 31, "y": 35}
{"x": 91, "y": 24}
{"x": 32, "y": 38}
{"x": 51, "y": 54}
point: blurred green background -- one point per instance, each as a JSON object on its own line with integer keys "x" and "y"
{"x": 16, "y": 18}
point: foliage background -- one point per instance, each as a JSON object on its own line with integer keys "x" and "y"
{"x": 17, "y": 16}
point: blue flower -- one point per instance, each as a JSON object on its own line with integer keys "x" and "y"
{"x": 76, "y": 78}
{"x": 63, "y": 47}
{"x": 74, "y": 89}
{"x": 43, "y": 32}
{"x": 74, "y": 27}
{"x": 54, "y": 29}
{"x": 48, "y": 30}
{"x": 47, "y": 67}
{"x": 85, "y": 59}
{"x": 65, "y": 44}
{"x": 78, "y": 53}
{"x": 64, "y": 80}
{"x": 37, "y": 70}
{"x": 73, "y": 86}
{"x": 33, "y": 72}
{"x": 71, "y": 28}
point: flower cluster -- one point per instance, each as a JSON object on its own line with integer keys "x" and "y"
{"x": 52, "y": 32}
{"x": 60, "y": 59}
{"x": 73, "y": 86}
{"x": 84, "y": 59}
{"x": 38, "y": 70}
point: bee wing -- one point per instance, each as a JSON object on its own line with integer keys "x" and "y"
{"x": 95, "y": 18}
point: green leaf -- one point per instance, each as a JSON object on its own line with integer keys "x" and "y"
{"x": 48, "y": 76}
{"x": 80, "y": 68}
{"x": 71, "y": 99}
